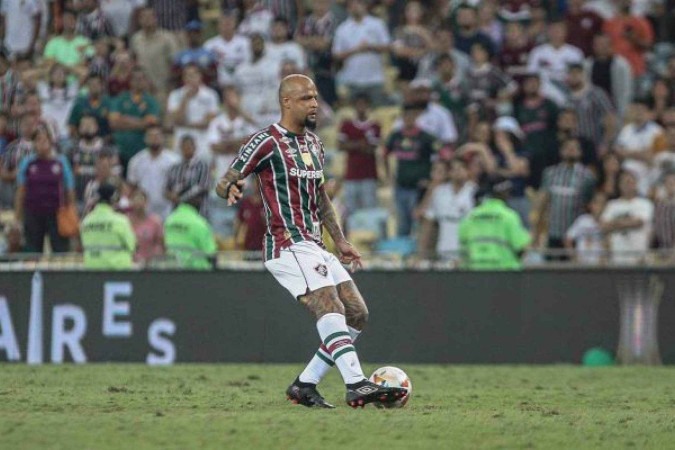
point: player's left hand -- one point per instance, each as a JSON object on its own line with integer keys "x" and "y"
{"x": 349, "y": 255}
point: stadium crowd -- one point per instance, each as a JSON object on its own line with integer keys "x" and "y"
{"x": 422, "y": 105}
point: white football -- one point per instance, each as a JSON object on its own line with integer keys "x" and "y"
{"x": 392, "y": 377}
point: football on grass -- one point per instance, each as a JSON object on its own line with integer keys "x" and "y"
{"x": 392, "y": 377}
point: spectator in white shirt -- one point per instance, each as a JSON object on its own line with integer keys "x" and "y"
{"x": 283, "y": 48}
{"x": 226, "y": 132}
{"x": 57, "y": 97}
{"x": 585, "y": 236}
{"x": 638, "y": 141}
{"x": 21, "y": 20}
{"x": 258, "y": 84}
{"x": 122, "y": 14}
{"x": 450, "y": 202}
{"x": 628, "y": 222}
{"x": 149, "y": 171}
{"x": 359, "y": 42}
{"x": 231, "y": 49}
{"x": 552, "y": 59}
{"x": 191, "y": 109}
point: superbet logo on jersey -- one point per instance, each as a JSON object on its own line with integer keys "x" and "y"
{"x": 309, "y": 174}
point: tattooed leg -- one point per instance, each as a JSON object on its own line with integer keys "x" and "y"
{"x": 337, "y": 346}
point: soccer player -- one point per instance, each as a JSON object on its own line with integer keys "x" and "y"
{"x": 288, "y": 161}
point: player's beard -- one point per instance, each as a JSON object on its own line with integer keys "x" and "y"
{"x": 310, "y": 123}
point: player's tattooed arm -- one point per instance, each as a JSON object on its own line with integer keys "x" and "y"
{"x": 230, "y": 186}
{"x": 348, "y": 254}
{"x": 329, "y": 218}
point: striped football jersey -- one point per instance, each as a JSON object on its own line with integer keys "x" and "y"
{"x": 289, "y": 167}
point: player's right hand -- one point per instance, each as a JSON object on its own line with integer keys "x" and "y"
{"x": 235, "y": 191}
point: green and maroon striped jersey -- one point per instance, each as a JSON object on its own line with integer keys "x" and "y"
{"x": 289, "y": 167}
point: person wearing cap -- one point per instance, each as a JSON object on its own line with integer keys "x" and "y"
{"x": 107, "y": 236}
{"x": 195, "y": 54}
{"x": 189, "y": 238}
{"x": 492, "y": 236}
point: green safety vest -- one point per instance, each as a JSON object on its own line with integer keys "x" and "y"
{"x": 108, "y": 239}
{"x": 189, "y": 237}
{"x": 492, "y": 236}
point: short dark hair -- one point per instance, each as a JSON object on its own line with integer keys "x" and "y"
{"x": 106, "y": 192}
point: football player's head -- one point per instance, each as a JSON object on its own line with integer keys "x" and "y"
{"x": 299, "y": 100}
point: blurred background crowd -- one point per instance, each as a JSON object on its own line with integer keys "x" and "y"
{"x": 423, "y": 105}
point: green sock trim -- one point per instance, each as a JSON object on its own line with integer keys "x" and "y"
{"x": 342, "y": 351}
{"x": 324, "y": 359}
{"x": 333, "y": 336}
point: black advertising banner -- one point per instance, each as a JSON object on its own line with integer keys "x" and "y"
{"x": 427, "y": 317}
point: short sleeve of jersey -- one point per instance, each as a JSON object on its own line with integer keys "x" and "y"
{"x": 253, "y": 154}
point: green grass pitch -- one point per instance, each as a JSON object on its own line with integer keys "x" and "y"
{"x": 120, "y": 406}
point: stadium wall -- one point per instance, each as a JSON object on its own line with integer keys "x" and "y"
{"x": 426, "y": 317}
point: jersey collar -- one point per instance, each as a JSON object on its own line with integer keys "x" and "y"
{"x": 286, "y": 132}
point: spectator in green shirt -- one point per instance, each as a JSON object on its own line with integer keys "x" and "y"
{"x": 131, "y": 114}
{"x": 95, "y": 103}
{"x": 492, "y": 236}
{"x": 189, "y": 237}
{"x": 107, "y": 236}
{"x": 69, "y": 48}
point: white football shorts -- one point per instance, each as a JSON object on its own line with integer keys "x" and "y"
{"x": 305, "y": 267}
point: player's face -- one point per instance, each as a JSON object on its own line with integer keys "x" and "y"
{"x": 304, "y": 104}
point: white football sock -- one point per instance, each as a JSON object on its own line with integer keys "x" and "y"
{"x": 336, "y": 338}
{"x": 322, "y": 362}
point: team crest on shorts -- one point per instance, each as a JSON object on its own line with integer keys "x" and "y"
{"x": 322, "y": 270}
